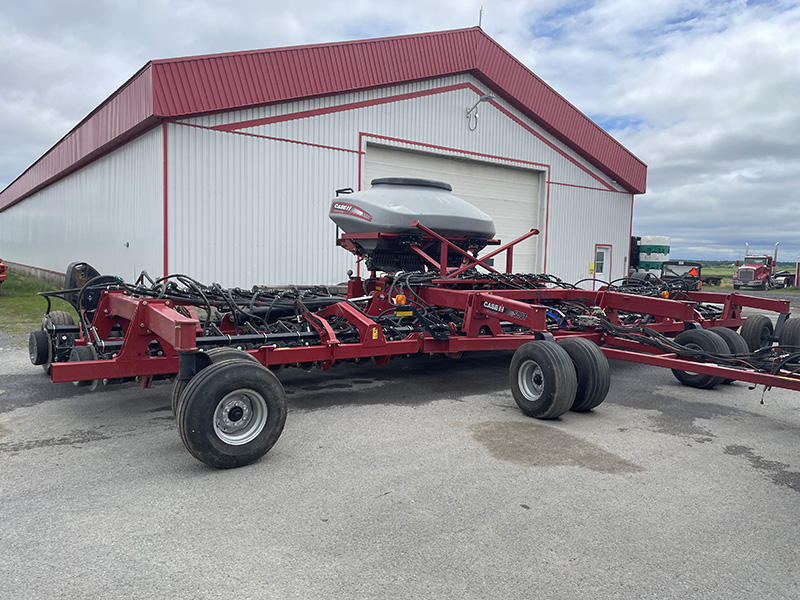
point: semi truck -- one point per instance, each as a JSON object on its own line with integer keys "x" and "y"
{"x": 758, "y": 271}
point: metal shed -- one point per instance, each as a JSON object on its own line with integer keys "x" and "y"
{"x": 223, "y": 166}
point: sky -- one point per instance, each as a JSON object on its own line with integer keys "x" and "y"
{"x": 705, "y": 92}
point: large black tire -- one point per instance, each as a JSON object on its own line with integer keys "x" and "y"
{"x": 735, "y": 343}
{"x": 736, "y": 287}
{"x": 790, "y": 335}
{"x": 39, "y": 347}
{"x": 708, "y": 341}
{"x": 231, "y": 413}
{"x": 592, "y": 370}
{"x": 757, "y": 332}
{"x": 543, "y": 379}
{"x": 54, "y": 317}
{"x": 80, "y": 353}
{"x": 60, "y": 317}
{"x": 215, "y": 355}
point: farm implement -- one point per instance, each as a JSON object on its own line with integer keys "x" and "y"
{"x": 431, "y": 288}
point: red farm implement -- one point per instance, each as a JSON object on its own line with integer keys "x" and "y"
{"x": 221, "y": 346}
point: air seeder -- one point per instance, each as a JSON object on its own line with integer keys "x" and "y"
{"x": 432, "y": 288}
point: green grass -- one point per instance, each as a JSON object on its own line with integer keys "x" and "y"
{"x": 21, "y": 308}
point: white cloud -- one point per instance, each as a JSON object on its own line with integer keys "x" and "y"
{"x": 704, "y": 91}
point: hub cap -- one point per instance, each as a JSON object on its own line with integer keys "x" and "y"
{"x": 240, "y": 417}
{"x": 531, "y": 380}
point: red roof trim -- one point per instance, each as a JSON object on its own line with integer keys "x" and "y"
{"x": 189, "y": 86}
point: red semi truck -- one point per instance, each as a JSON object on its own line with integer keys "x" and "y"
{"x": 758, "y": 272}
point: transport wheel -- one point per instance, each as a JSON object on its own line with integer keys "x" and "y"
{"x": 79, "y": 353}
{"x": 54, "y": 317}
{"x": 231, "y": 413}
{"x": 39, "y": 347}
{"x": 592, "y": 369}
{"x": 707, "y": 341}
{"x": 543, "y": 379}
{"x": 790, "y": 334}
{"x": 215, "y": 355}
{"x": 735, "y": 343}
{"x": 757, "y": 331}
{"x": 60, "y": 317}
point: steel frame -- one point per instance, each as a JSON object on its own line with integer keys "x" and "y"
{"x": 159, "y": 341}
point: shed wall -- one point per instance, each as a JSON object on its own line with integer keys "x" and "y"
{"x": 92, "y": 214}
{"x": 580, "y": 219}
{"x": 249, "y": 190}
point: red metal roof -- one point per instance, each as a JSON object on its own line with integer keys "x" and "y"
{"x": 182, "y": 87}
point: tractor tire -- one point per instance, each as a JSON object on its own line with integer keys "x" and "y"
{"x": 215, "y": 355}
{"x": 231, "y": 413}
{"x": 543, "y": 379}
{"x": 790, "y": 335}
{"x": 592, "y": 370}
{"x": 80, "y": 353}
{"x": 707, "y": 341}
{"x": 757, "y": 332}
{"x": 60, "y": 317}
{"x": 735, "y": 342}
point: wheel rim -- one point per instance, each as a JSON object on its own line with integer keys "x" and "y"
{"x": 531, "y": 380}
{"x": 240, "y": 416}
{"x": 766, "y": 336}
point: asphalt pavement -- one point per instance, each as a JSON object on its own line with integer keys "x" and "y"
{"x": 420, "y": 479}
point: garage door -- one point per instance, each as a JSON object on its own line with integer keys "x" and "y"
{"x": 510, "y": 196}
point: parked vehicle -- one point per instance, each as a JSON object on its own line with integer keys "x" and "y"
{"x": 759, "y": 272}
{"x": 685, "y": 272}
{"x": 3, "y": 269}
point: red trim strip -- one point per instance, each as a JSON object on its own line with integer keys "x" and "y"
{"x": 447, "y": 149}
{"x": 533, "y": 132}
{"x": 343, "y": 107}
{"x": 274, "y": 139}
{"x": 594, "y": 262}
{"x": 588, "y": 187}
{"x": 166, "y": 205}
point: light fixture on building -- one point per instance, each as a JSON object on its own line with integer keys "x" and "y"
{"x": 472, "y": 113}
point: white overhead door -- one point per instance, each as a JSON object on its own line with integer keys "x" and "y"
{"x": 510, "y": 196}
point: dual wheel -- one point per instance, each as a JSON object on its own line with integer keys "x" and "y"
{"x": 230, "y": 413}
{"x": 548, "y": 379}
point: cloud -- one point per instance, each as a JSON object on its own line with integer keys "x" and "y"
{"x": 704, "y": 91}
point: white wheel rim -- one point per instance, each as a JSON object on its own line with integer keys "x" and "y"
{"x": 240, "y": 417}
{"x": 531, "y": 380}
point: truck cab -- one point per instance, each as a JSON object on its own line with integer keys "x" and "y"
{"x": 755, "y": 272}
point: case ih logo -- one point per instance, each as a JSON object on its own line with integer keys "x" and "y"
{"x": 516, "y": 314}
{"x": 343, "y": 208}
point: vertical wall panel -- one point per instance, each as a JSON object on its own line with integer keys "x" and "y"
{"x": 245, "y": 211}
{"x": 579, "y": 220}
{"x": 107, "y": 214}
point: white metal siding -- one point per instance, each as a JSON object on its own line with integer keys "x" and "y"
{"x": 91, "y": 215}
{"x": 245, "y": 211}
{"x": 579, "y": 220}
{"x": 251, "y": 206}
{"x": 510, "y": 196}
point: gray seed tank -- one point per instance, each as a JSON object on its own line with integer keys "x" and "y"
{"x": 392, "y": 203}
